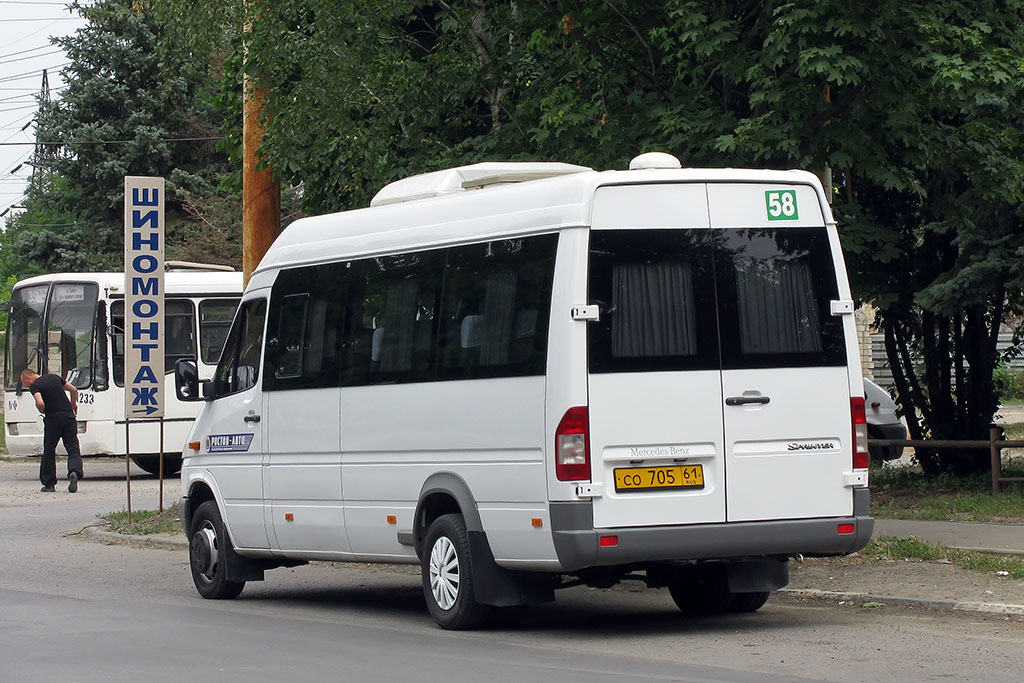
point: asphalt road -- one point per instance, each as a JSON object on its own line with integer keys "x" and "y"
{"x": 74, "y": 609}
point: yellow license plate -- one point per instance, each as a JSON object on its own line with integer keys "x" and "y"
{"x": 668, "y": 477}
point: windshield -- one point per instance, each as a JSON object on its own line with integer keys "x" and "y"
{"x": 69, "y": 329}
{"x": 24, "y": 330}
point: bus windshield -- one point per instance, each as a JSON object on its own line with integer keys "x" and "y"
{"x": 24, "y": 331}
{"x": 66, "y": 312}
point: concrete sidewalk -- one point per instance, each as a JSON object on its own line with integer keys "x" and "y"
{"x": 1005, "y": 539}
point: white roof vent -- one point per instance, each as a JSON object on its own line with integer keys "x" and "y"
{"x": 654, "y": 160}
{"x": 189, "y": 265}
{"x": 468, "y": 178}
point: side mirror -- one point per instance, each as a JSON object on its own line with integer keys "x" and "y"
{"x": 186, "y": 380}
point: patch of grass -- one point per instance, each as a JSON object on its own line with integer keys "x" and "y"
{"x": 915, "y": 549}
{"x": 144, "y": 522}
{"x": 1014, "y": 431}
{"x": 906, "y": 493}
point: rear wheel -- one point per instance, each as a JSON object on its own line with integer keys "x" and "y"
{"x": 207, "y": 554}
{"x": 748, "y": 602}
{"x": 701, "y": 591}
{"x": 448, "y": 576}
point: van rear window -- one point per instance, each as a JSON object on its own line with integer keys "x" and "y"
{"x": 713, "y": 298}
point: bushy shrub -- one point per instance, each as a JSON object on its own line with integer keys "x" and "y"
{"x": 1009, "y": 384}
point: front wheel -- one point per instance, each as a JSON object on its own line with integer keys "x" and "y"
{"x": 448, "y": 576}
{"x": 151, "y": 463}
{"x": 207, "y": 554}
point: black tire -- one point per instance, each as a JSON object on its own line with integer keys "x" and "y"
{"x": 208, "y": 545}
{"x": 151, "y": 463}
{"x": 701, "y": 591}
{"x": 448, "y": 576}
{"x": 748, "y": 602}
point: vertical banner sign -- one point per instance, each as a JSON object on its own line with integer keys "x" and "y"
{"x": 144, "y": 297}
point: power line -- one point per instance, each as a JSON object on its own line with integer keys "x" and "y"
{"x": 31, "y": 74}
{"x": 22, "y": 59}
{"x": 21, "y": 52}
{"x": 19, "y": 19}
{"x": 108, "y": 142}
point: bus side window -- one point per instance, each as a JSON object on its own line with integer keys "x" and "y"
{"x": 179, "y": 328}
{"x": 497, "y": 298}
{"x": 391, "y": 319}
{"x": 303, "y": 349}
{"x": 215, "y": 316}
{"x": 117, "y": 341}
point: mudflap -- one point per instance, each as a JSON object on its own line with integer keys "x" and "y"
{"x": 757, "y": 577}
{"x": 500, "y": 587}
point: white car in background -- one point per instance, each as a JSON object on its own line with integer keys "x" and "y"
{"x": 883, "y": 422}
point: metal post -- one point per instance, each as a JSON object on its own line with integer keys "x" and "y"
{"x": 161, "y": 463}
{"x": 994, "y": 434}
{"x": 128, "y": 465}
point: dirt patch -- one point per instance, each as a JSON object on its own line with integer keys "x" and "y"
{"x": 935, "y": 581}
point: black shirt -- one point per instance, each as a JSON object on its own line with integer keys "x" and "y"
{"x": 51, "y": 388}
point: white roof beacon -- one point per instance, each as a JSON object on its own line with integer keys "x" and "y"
{"x": 652, "y": 160}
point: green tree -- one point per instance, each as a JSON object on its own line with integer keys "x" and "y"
{"x": 136, "y": 103}
{"x": 911, "y": 107}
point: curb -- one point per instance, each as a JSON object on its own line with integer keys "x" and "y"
{"x": 160, "y": 541}
{"x": 947, "y": 605}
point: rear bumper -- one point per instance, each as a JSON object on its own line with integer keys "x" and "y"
{"x": 577, "y": 542}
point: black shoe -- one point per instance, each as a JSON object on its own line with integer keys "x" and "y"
{"x": 73, "y": 485}
{"x": 46, "y": 489}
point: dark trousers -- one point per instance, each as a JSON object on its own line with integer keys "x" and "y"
{"x": 59, "y": 427}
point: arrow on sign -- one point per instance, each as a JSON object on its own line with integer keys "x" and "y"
{"x": 148, "y": 410}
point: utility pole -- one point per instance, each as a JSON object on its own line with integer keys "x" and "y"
{"x": 261, "y": 191}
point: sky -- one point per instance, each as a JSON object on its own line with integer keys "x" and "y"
{"x": 25, "y": 50}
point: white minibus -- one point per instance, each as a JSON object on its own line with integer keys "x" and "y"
{"x": 72, "y": 325}
{"x": 528, "y": 376}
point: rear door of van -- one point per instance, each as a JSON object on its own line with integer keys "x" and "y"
{"x": 719, "y": 386}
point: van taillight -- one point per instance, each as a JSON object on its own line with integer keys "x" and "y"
{"x": 572, "y": 445}
{"x": 860, "y": 434}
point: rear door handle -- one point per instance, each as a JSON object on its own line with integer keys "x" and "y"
{"x": 747, "y": 400}
{"x": 251, "y": 418}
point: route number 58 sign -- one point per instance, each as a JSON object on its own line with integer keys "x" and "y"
{"x": 781, "y": 205}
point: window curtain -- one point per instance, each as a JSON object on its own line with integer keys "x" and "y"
{"x": 653, "y": 310}
{"x": 777, "y": 307}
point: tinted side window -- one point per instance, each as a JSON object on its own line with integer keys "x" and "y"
{"x": 655, "y": 290}
{"x": 391, "y": 318}
{"x": 304, "y": 345}
{"x": 497, "y": 300}
{"x": 239, "y": 365}
{"x": 775, "y": 287}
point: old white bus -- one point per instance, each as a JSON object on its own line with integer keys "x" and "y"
{"x": 530, "y": 376}
{"x": 71, "y": 324}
